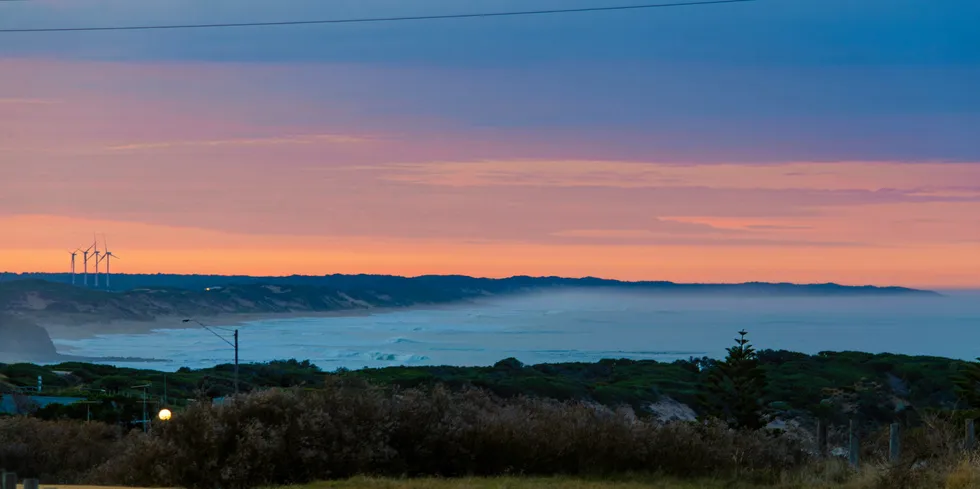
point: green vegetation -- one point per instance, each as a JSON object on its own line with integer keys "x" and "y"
{"x": 297, "y": 424}
{"x": 881, "y": 387}
{"x": 735, "y": 387}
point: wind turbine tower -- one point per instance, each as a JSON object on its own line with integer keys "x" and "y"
{"x": 73, "y": 255}
{"x": 108, "y": 258}
{"x": 85, "y": 262}
{"x": 97, "y": 252}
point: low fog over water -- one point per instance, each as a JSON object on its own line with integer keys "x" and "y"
{"x": 575, "y": 326}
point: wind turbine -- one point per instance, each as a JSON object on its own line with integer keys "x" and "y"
{"x": 73, "y": 255}
{"x": 85, "y": 261}
{"x": 107, "y": 257}
{"x": 96, "y": 260}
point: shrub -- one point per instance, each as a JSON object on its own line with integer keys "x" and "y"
{"x": 56, "y": 452}
{"x": 289, "y": 436}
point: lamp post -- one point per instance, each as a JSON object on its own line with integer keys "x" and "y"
{"x": 222, "y": 338}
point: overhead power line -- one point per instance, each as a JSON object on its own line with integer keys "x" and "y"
{"x": 374, "y": 19}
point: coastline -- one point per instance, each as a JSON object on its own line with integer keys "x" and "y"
{"x": 78, "y": 328}
{"x": 90, "y": 329}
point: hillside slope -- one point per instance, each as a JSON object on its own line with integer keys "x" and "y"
{"x": 67, "y": 304}
{"x": 43, "y": 299}
{"x": 21, "y": 340}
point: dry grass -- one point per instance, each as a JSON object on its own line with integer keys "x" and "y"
{"x": 518, "y": 483}
{"x": 479, "y": 483}
{"x": 835, "y": 476}
{"x": 52, "y": 486}
{"x": 966, "y": 475}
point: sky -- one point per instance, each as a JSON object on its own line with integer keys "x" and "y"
{"x": 775, "y": 140}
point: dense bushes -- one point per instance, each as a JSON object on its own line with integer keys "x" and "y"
{"x": 55, "y": 451}
{"x": 283, "y": 436}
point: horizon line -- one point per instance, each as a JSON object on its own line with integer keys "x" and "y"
{"x": 647, "y": 281}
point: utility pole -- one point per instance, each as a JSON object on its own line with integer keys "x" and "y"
{"x": 145, "y": 421}
{"x": 88, "y": 408}
{"x": 222, "y": 338}
{"x": 236, "y": 361}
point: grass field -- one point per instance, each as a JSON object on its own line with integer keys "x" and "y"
{"x": 554, "y": 483}
{"x": 965, "y": 475}
{"x": 494, "y": 483}
{"x": 59, "y": 486}
{"x": 965, "y": 478}
{"x": 519, "y": 483}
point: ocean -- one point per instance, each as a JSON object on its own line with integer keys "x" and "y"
{"x": 580, "y": 326}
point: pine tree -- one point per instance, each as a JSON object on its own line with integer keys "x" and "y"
{"x": 734, "y": 387}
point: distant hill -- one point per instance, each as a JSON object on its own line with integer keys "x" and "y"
{"x": 42, "y": 299}
{"x": 151, "y": 296}
{"x": 440, "y": 288}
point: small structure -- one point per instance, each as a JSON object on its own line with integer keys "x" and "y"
{"x": 14, "y": 403}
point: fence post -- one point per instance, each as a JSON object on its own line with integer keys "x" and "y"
{"x": 895, "y": 444}
{"x": 971, "y": 436}
{"x": 31, "y": 483}
{"x": 822, "y": 438}
{"x": 9, "y": 480}
{"x": 854, "y": 448}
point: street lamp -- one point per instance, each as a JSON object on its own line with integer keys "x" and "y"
{"x": 165, "y": 414}
{"x": 222, "y": 338}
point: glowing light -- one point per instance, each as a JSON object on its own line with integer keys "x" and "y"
{"x": 165, "y": 414}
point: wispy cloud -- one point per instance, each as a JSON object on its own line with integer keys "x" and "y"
{"x": 775, "y": 227}
{"x": 738, "y": 224}
{"x": 262, "y": 141}
{"x": 607, "y": 233}
{"x": 622, "y": 237}
{"x": 916, "y": 179}
{"x": 968, "y": 193}
{"x": 27, "y": 101}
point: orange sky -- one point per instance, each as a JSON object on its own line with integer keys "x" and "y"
{"x": 223, "y": 182}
